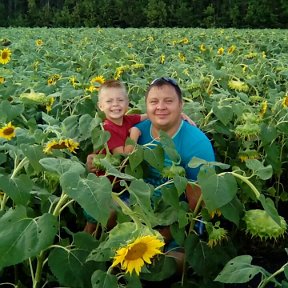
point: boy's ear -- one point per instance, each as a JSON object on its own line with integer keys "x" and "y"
{"x": 99, "y": 106}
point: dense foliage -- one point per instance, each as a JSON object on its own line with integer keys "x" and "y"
{"x": 145, "y": 13}
{"x": 234, "y": 86}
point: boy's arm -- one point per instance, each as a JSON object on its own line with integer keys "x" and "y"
{"x": 143, "y": 117}
{"x": 135, "y": 133}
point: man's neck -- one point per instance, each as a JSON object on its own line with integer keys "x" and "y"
{"x": 170, "y": 131}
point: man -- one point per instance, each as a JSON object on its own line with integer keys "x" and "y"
{"x": 164, "y": 106}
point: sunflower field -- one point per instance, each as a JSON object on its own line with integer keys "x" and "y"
{"x": 235, "y": 88}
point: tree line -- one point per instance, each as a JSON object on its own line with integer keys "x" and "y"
{"x": 145, "y": 13}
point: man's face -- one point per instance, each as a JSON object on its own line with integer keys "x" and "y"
{"x": 164, "y": 107}
{"x": 114, "y": 103}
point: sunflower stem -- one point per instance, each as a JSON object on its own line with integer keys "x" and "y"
{"x": 61, "y": 202}
{"x": 249, "y": 183}
{"x": 126, "y": 210}
{"x": 267, "y": 280}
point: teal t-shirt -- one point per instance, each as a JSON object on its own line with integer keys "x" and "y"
{"x": 189, "y": 142}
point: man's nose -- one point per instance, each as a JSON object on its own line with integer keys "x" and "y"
{"x": 161, "y": 105}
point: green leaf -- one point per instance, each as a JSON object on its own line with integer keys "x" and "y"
{"x": 136, "y": 157}
{"x": 22, "y": 237}
{"x": 180, "y": 184}
{"x": 141, "y": 192}
{"x": 217, "y": 190}
{"x": 18, "y": 188}
{"x": 267, "y": 134}
{"x": 34, "y": 154}
{"x": 223, "y": 113}
{"x": 233, "y": 210}
{"x": 204, "y": 260}
{"x": 62, "y": 165}
{"x": 9, "y": 112}
{"x": 196, "y": 162}
{"x": 70, "y": 268}
{"x": 170, "y": 196}
{"x": 86, "y": 125}
{"x": 270, "y": 208}
{"x": 99, "y": 138}
{"x": 259, "y": 169}
{"x": 161, "y": 268}
{"x": 70, "y": 126}
{"x": 155, "y": 157}
{"x": 133, "y": 281}
{"x": 101, "y": 279}
{"x": 238, "y": 270}
{"x": 93, "y": 194}
{"x": 169, "y": 147}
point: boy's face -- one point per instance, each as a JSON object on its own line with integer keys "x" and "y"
{"x": 114, "y": 103}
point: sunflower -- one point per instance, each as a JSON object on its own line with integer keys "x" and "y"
{"x": 202, "y": 48}
{"x": 2, "y": 80}
{"x": 96, "y": 82}
{"x": 231, "y": 49}
{"x": 220, "y": 51}
{"x": 39, "y": 42}
{"x": 162, "y": 58}
{"x": 69, "y": 144}
{"x": 182, "y": 57}
{"x": 285, "y": 101}
{"x": 264, "y": 106}
{"x": 8, "y": 131}
{"x": 5, "y": 56}
{"x": 97, "y": 79}
{"x": 49, "y": 104}
{"x": 238, "y": 85}
{"x": 248, "y": 154}
{"x": 134, "y": 255}
{"x": 216, "y": 234}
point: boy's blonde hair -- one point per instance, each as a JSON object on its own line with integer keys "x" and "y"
{"x": 112, "y": 84}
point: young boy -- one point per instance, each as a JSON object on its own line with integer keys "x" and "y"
{"x": 114, "y": 103}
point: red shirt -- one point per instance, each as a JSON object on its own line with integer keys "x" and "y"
{"x": 119, "y": 133}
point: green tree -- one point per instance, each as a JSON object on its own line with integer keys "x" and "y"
{"x": 156, "y": 13}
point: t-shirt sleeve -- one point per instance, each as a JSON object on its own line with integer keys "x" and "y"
{"x": 133, "y": 119}
{"x": 201, "y": 148}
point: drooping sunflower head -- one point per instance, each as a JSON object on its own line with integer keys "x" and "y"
{"x": 263, "y": 109}
{"x": 135, "y": 254}
{"x": 5, "y": 56}
{"x": 260, "y": 224}
{"x": 8, "y": 131}
{"x": 238, "y": 85}
{"x": 69, "y": 144}
{"x": 231, "y": 49}
{"x": 216, "y": 234}
{"x": 285, "y": 101}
